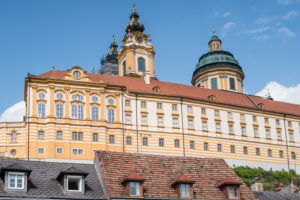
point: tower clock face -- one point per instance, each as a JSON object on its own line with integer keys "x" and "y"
{"x": 139, "y": 38}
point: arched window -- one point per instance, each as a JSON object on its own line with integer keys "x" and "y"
{"x": 111, "y": 115}
{"x": 74, "y": 111}
{"x": 80, "y": 112}
{"x": 41, "y": 110}
{"x": 59, "y": 111}
{"x": 141, "y": 64}
{"x": 124, "y": 67}
{"x": 14, "y": 137}
{"x": 95, "y": 113}
{"x": 214, "y": 46}
{"x": 214, "y": 84}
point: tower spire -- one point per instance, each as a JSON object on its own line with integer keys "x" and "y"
{"x": 214, "y": 31}
{"x": 113, "y": 38}
{"x": 133, "y": 7}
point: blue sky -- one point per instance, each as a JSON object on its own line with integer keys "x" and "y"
{"x": 35, "y": 35}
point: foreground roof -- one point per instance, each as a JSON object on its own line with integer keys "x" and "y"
{"x": 138, "y": 85}
{"x": 43, "y": 181}
{"x": 159, "y": 172}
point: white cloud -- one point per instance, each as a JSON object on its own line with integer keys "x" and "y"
{"x": 14, "y": 113}
{"x": 258, "y": 30}
{"x": 265, "y": 20}
{"x": 287, "y": 32}
{"x": 291, "y": 14}
{"x": 281, "y": 93}
{"x": 226, "y": 14}
{"x": 263, "y": 37}
{"x": 226, "y": 28}
{"x": 284, "y": 2}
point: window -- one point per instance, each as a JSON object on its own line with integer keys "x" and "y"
{"x": 185, "y": 190}
{"x": 233, "y": 192}
{"x": 41, "y": 95}
{"x": 219, "y": 147}
{"x": 128, "y": 119}
{"x": 143, "y": 104}
{"x": 77, "y": 136}
{"x": 59, "y": 150}
{"x": 269, "y": 152}
{"x": 41, "y": 110}
{"x": 232, "y": 148}
{"x": 229, "y": 114}
{"x": 111, "y": 139}
{"x": 204, "y": 126}
{"x": 77, "y": 151}
{"x": 124, "y": 67}
{"x": 111, "y": 115}
{"x": 74, "y": 111}
{"x": 41, "y": 135}
{"x": 257, "y": 150}
{"x": 281, "y": 154}
{"x": 77, "y": 111}
{"x": 95, "y": 137}
{"x": 214, "y": 84}
{"x": 141, "y": 64}
{"x": 127, "y": 103}
{"x": 145, "y": 141}
{"x": 289, "y": 124}
{"x": 74, "y": 136}
{"x": 268, "y": 134}
{"x": 128, "y": 140}
{"x": 278, "y": 135}
{"x": 242, "y": 117}
{"x": 80, "y": 136}
{"x": 76, "y": 74}
{"x": 243, "y": 131}
{"x": 95, "y": 113}
{"x": 293, "y": 154}
{"x": 254, "y": 118}
{"x": 255, "y": 132}
{"x": 144, "y": 120}
{"x": 205, "y": 146}
{"x": 218, "y": 127}
{"x": 189, "y": 109}
{"x": 134, "y": 188}
{"x": 160, "y": 121}
{"x": 266, "y": 121}
{"x": 110, "y": 101}
{"x": 59, "y": 135}
{"x": 14, "y": 137}
{"x": 175, "y": 122}
{"x": 176, "y": 143}
{"x": 161, "y": 142}
{"x": 231, "y": 83}
{"x": 80, "y": 112}
{"x": 174, "y": 107}
{"x": 291, "y": 137}
{"x": 192, "y": 144}
{"x": 277, "y": 122}
{"x": 203, "y": 111}
{"x": 191, "y": 124}
{"x": 159, "y": 106}
{"x": 230, "y": 128}
{"x": 94, "y": 99}
{"x": 217, "y": 113}
{"x": 245, "y": 150}
{"x": 41, "y": 150}
{"x": 74, "y": 183}
{"x": 59, "y": 111}
{"x": 15, "y": 180}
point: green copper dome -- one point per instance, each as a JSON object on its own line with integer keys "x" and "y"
{"x": 216, "y": 58}
{"x": 214, "y": 38}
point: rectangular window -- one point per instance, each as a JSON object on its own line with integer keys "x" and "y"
{"x": 245, "y": 150}
{"x": 269, "y": 152}
{"x": 111, "y": 139}
{"x": 218, "y": 127}
{"x": 15, "y": 180}
{"x": 203, "y": 111}
{"x": 95, "y": 113}
{"x": 145, "y": 141}
{"x": 160, "y": 122}
{"x": 205, "y": 146}
{"x": 243, "y": 131}
{"x": 191, "y": 124}
{"x": 278, "y": 135}
{"x": 134, "y": 188}
{"x": 289, "y": 124}
{"x": 95, "y": 137}
{"x": 176, "y": 143}
{"x": 185, "y": 191}
{"x": 214, "y": 84}
{"x": 257, "y": 150}
{"x": 189, "y": 109}
{"x": 74, "y": 183}
{"x": 281, "y": 154}
{"x": 41, "y": 110}
{"x": 159, "y": 106}
{"x": 59, "y": 150}
{"x": 14, "y": 137}
{"x": 128, "y": 119}
{"x": 59, "y": 135}
{"x": 74, "y": 136}
{"x": 219, "y": 147}
{"x": 144, "y": 120}
{"x": 291, "y": 137}
{"x": 230, "y": 129}
{"x": 41, "y": 150}
{"x": 175, "y": 122}
{"x": 77, "y": 151}
{"x": 161, "y": 142}
{"x": 232, "y": 149}
{"x": 80, "y": 136}
{"x": 192, "y": 144}
{"x": 174, "y": 107}
{"x": 268, "y": 134}
{"x": 41, "y": 135}
{"x": 255, "y": 132}
{"x": 231, "y": 83}
{"x": 242, "y": 116}
{"x": 229, "y": 114}
{"x": 266, "y": 121}
{"x": 127, "y": 103}
{"x": 254, "y": 119}
{"x": 143, "y": 104}
{"x": 128, "y": 140}
{"x": 204, "y": 126}
{"x": 277, "y": 122}
{"x": 80, "y": 112}
{"x": 59, "y": 111}
{"x": 217, "y": 113}
{"x": 233, "y": 192}
{"x": 293, "y": 154}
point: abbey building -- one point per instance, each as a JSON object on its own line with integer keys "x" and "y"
{"x": 71, "y": 114}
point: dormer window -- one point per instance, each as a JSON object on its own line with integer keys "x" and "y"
{"x": 77, "y": 74}
{"x": 74, "y": 183}
{"x": 16, "y": 180}
{"x": 183, "y": 186}
{"x": 230, "y": 187}
{"x": 133, "y": 184}
{"x": 134, "y": 189}
{"x": 233, "y": 192}
{"x": 185, "y": 190}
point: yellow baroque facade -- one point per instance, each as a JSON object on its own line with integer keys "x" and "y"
{"x": 71, "y": 114}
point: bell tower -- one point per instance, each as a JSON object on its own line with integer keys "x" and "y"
{"x": 136, "y": 57}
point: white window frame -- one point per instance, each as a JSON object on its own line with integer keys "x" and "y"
{"x": 80, "y": 183}
{"x": 16, "y": 174}
{"x": 39, "y": 149}
{"x": 57, "y": 150}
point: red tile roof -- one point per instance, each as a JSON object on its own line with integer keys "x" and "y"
{"x": 138, "y": 85}
{"x": 182, "y": 179}
{"x": 159, "y": 171}
{"x": 132, "y": 177}
{"x": 228, "y": 181}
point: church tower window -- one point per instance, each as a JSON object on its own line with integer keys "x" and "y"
{"x": 214, "y": 84}
{"x": 231, "y": 83}
{"x": 141, "y": 64}
{"x": 124, "y": 67}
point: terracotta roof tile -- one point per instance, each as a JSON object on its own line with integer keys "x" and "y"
{"x": 228, "y": 181}
{"x": 182, "y": 179}
{"x": 132, "y": 177}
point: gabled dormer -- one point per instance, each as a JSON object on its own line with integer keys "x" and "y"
{"x": 230, "y": 187}
{"x": 133, "y": 185}
{"x": 183, "y": 186}
{"x": 76, "y": 74}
